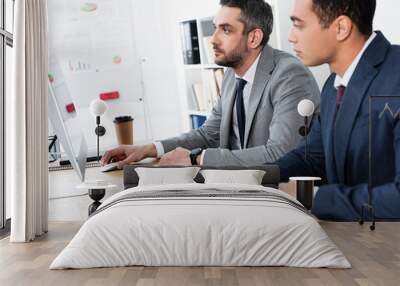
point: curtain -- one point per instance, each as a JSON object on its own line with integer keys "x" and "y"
{"x": 27, "y": 151}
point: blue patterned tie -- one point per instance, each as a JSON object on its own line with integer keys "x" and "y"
{"x": 240, "y": 113}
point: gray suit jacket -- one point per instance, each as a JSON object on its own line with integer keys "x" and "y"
{"x": 272, "y": 120}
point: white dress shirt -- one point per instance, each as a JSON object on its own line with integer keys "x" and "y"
{"x": 249, "y": 78}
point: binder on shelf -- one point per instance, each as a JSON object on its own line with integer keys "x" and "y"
{"x": 198, "y": 120}
{"x": 209, "y": 50}
{"x": 190, "y": 43}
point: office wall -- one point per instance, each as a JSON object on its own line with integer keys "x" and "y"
{"x": 158, "y": 43}
{"x": 386, "y": 19}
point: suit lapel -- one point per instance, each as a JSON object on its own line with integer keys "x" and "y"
{"x": 263, "y": 74}
{"x": 345, "y": 118}
{"x": 226, "y": 124}
{"x": 329, "y": 116}
{"x": 355, "y": 93}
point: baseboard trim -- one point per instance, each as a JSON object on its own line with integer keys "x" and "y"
{"x": 5, "y": 231}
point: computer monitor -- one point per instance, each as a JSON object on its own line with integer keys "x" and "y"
{"x": 66, "y": 128}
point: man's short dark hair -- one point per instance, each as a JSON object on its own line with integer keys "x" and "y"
{"x": 361, "y": 12}
{"x": 255, "y": 14}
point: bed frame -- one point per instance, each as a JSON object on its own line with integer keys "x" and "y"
{"x": 270, "y": 179}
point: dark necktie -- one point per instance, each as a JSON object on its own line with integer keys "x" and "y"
{"x": 339, "y": 96}
{"x": 240, "y": 113}
{"x": 339, "y": 99}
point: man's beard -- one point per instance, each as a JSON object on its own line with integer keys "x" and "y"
{"x": 236, "y": 57}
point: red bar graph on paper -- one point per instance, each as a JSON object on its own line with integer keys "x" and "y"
{"x": 109, "y": 95}
{"x": 70, "y": 108}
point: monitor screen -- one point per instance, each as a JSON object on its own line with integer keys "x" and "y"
{"x": 65, "y": 120}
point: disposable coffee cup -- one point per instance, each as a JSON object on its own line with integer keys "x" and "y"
{"x": 305, "y": 190}
{"x": 124, "y": 129}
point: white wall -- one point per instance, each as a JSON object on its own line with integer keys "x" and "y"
{"x": 158, "y": 42}
{"x": 385, "y": 19}
{"x": 155, "y": 45}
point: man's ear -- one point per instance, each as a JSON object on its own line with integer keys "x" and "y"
{"x": 344, "y": 27}
{"x": 255, "y": 38}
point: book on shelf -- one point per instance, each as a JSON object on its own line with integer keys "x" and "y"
{"x": 213, "y": 88}
{"x": 190, "y": 43}
{"x": 198, "y": 120}
{"x": 198, "y": 91}
{"x": 219, "y": 76}
{"x": 209, "y": 50}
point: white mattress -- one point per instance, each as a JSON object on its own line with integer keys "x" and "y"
{"x": 206, "y": 231}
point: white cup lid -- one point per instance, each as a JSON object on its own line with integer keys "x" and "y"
{"x": 96, "y": 184}
{"x": 305, "y": 179}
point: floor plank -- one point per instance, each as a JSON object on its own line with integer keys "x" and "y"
{"x": 375, "y": 257}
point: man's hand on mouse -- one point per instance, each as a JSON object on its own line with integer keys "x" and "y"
{"x": 126, "y": 154}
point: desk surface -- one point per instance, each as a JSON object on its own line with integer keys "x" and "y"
{"x": 68, "y": 203}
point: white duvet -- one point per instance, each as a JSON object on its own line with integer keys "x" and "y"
{"x": 205, "y": 231}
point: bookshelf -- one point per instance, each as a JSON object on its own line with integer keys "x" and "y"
{"x": 202, "y": 78}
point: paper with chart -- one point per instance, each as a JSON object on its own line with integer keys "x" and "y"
{"x": 91, "y": 37}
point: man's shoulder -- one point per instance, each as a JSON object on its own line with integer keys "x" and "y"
{"x": 394, "y": 55}
{"x": 389, "y": 69}
{"x": 290, "y": 74}
{"x": 283, "y": 58}
{"x": 396, "y": 48}
{"x": 287, "y": 63}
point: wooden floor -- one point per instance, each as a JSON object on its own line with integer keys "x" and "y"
{"x": 375, "y": 257}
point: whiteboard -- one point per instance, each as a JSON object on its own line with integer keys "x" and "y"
{"x": 93, "y": 43}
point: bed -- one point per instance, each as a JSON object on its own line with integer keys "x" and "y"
{"x": 198, "y": 224}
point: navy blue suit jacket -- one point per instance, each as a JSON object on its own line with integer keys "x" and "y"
{"x": 338, "y": 142}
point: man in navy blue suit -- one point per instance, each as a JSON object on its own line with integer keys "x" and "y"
{"x": 363, "y": 64}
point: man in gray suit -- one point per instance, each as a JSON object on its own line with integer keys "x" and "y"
{"x": 256, "y": 120}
